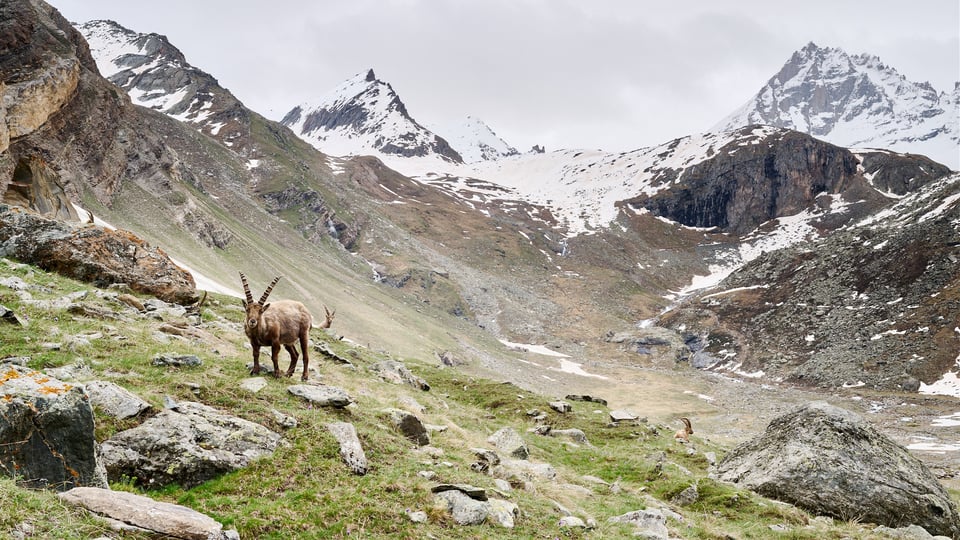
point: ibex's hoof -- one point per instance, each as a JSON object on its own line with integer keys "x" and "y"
{"x": 255, "y": 371}
{"x": 304, "y": 378}
{"x": 276, "y": 374}
{"x": 288, "y": 374}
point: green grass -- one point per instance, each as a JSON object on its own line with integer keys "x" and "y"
{"x": 305, "y": 491}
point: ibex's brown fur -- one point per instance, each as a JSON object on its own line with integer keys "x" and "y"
{"x": 685, "y": 433}
{"x": 283, "y": 322}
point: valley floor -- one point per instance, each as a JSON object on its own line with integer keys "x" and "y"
{"x": 728, "y": 411}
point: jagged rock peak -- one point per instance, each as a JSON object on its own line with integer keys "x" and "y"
{"x": 855, "y": 101}
{"x": 365, "y": 115}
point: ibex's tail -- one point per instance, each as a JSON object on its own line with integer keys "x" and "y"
{"x": 267, "y": 292}
{"x": 246, "y": 288}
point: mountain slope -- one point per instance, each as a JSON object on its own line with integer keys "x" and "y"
{"x": 364, "y": 114}
{"x": 856, "y": 101}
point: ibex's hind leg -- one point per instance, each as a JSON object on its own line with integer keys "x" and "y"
{"x": 306, "y": 356}
{"x": 294, "y": 357}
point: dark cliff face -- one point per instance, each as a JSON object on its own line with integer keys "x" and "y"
{"x": 746, "y": 184}
{"x": 900, "y": 173}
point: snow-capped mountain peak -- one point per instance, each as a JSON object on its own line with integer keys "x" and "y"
{"x": 365, "y": 115}
{"x": 855, "y": 101}
{"x": 156, "y": 75}
{"x": 476, "y": 141}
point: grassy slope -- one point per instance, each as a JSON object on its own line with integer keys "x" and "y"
{"x": 305, "y": 491}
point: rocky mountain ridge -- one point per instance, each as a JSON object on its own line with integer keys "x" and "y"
{"x": 363, "y": 114}
{"x": 856, "y": 101}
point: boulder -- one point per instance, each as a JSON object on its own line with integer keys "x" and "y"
{"x": 187, "y": 445}
{"x": 350, "y": 449}
{"x": 587, "y": 398}
{"x": 177, "y": 360}
{"x": 409, "y": 425}
{"x": 165, "y": 519}
{"x": 322, "y": 395}
{"x": 829, "y": 461}
{"x": 46, "y": 431}
{"x": 114, "y": 400}
{"x": 463, "y": 509}
{"x": 561, "y": 407}
{"x": 93, "y": 254}
{"x": 574, "y": 434}
{"x": 502, "y": 512}
{"x": 619, "y": 416}
{"x": 473, "y": 492}
{"x": 507, "y": 440}
{"x": 397, "y": 373}
{"x": 651, "y": 524}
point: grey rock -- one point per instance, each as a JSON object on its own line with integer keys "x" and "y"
{"x": 584, "y": 397}
{"x": 46, "y": 432}
{"x": 473, "y": 492}
{"x": 397, "y": 373}
{"x": 253, "y": 384}
{"x": 503, "y": 513}
{"x": 574, "y": 434}
{"x": 409, "y": 425}
{"x": 77, "y": 371}
{"x": 8, "y": 316}
{"x": 520, "y": 472}
{"x": 114, "y": 400}
{"x": 285, "y": 420}
{"x": 322, "y": 395}
{"x": 912, "y": 532}
{"x": 619, "y": 416}
{"x": 463, "y": 509}
{"x": 187, "y": 445}
{"x": 169, "y": 520}
{"x": 561, "y": 407}
{"x": 177, "y": 360}
{"x": 571, "y": 522}
{"x": 411, "y": 405}
{"x": 351, "y": 451}
{"x": 510, "y": 442}
{"x": 418, "y": 516}
{"x": 650, "y": 524}
{"x": 828, "y": 461}
{"x": 686, "y": 497}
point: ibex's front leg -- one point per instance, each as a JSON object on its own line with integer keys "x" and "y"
{"x": 274, "y": 355}
{"x": 306, "y": 356}
{"x": 256, "y": 359}
{"x": 294, "y": 357}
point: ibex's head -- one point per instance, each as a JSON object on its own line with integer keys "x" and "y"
{"x": 255, "y": 309}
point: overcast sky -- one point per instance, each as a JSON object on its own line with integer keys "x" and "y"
{"x": 616, "y": 75}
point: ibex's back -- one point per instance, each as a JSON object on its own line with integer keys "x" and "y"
{"x": 283, "y": 323}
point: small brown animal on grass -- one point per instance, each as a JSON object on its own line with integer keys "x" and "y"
{"x": 685, "y": 433}
{"x": 281, "y": 323}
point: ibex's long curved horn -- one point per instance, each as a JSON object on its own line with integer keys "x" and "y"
{"x": 266, "y": 293}
{"x": 246, "y": 288}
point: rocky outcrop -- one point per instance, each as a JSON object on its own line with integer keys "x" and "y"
{"x": 143, "y": 514}
{"x": 114, "y": 400}
{"x": 188, "y": 445}
{"x": 509, "y": 441}
{"x": 46, "y": 431}
{"x": 322, "y": 395}
{"x": 872, "y": 305}
{"x": 831, "y": 462}
{"x": 93, "y": 254}
{"x": 397, "y": 373}
{"x": 746, "y": 184}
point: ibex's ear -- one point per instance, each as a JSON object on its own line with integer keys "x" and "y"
{"x": 264, "y": 308}
{"x": 244, "y": 303}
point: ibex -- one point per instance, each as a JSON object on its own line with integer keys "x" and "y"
{"x": 685, "y": 433}
{"x": 278, "y": 323}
